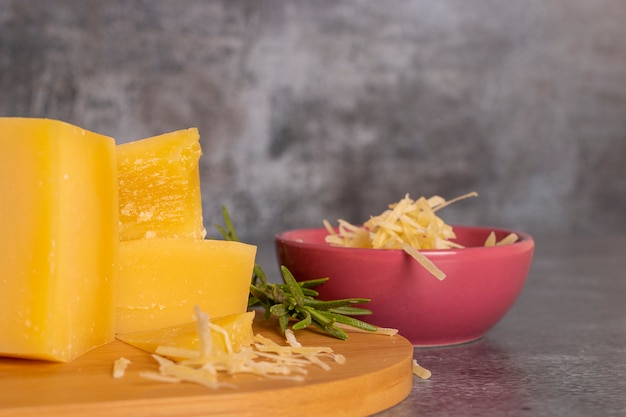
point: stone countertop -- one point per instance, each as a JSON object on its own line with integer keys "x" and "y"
{"x": 560, "y": 351}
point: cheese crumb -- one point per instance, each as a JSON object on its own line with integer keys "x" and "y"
{"x": 119, "y": 367}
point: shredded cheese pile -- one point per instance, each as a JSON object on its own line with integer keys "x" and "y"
{"x": 264, "y": 358}
{"x": 410, "y": 225}
{"x": 407, "y": 222}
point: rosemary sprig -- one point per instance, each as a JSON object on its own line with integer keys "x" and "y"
{"x": 295, "y": 301}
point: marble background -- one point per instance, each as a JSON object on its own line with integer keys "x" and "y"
{"x": 333, "y": 109}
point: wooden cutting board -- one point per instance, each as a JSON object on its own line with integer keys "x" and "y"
{"x": 377, "y": 375}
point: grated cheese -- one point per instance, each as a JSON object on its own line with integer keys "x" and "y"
{"x": 263, "y": 357}
{"x": 410, "y": 225}
{"x": 420, "y": 371}
{"x": 491, "y": 239}
{"x": 510, "y": 238}
{"x": 119, "y": 367}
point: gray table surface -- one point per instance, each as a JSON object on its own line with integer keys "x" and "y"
{"x": 560, "y": 351}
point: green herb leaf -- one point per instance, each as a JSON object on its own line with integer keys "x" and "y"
{"x": 293, "y": 286}
{"x": 305, "y": 322}
{"x": 327, "y": 305}
{"x": 295, "y": 300}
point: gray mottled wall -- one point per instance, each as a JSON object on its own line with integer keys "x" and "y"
{"x": 327, "y": 109}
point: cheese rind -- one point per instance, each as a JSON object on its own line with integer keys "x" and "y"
{"x": 58, "y": 240}
{"x": 162, "y": 280}
{"x": 159, "y": 180}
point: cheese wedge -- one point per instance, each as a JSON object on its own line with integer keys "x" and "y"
{"x": 162, "y": 280}
{"x": 58, "y": 240}
{"x": 159, "y": 184}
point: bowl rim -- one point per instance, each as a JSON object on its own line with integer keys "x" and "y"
{"x": 524, "y": 239}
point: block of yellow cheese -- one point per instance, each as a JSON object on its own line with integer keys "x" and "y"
{"x": 58, "y": 239}
{"x": 162, "y": 280}
{"x": 160, "y": 187}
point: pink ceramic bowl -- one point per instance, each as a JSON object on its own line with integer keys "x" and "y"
{"x": 481, "y": 286}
